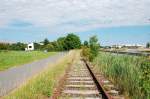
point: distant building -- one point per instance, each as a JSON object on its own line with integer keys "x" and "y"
{"x": 30, "y": 47}
{"x": 130, "y": 46}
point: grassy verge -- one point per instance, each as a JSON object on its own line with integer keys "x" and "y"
{"x": 131, "y": 74}
{"x": 43, "y": 84}
{"x": 9, "y": 59}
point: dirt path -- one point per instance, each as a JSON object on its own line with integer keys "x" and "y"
{"x": 13, "y": 77}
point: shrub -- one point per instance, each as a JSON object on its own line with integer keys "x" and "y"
{"x": 91, "y": 51}
{"x": 85, "y": 52}
{"x": 94, "y": 46}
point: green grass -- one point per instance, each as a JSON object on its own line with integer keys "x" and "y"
{"x": 42, "y": 86}
{"x": 10, "y": 59}
{"x": 126, "y": 72}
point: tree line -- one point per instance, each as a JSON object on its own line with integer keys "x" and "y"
{"x": 71, "y": 41}
{"x": 14, "y": 46}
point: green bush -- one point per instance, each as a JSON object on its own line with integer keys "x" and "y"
{"x": 90, "y": 51}
{"x": 94, "y": 47}
{"x": 85, "y": 52}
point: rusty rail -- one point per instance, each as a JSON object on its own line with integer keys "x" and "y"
{"x": 100, "y": 86}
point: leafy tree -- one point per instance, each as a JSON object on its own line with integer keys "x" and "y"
{"x": 50, "y": 47}
{"x": 46, "y": 41}
{"x": 72, "y": 41}
{"x": 94, "y": 47}
{"x": 53, "y": 46}
{"x": 86, "y": 43}
{"x": 56, "y": 46}
{"x": 61, "y": 43}
{"x": 148, "y": 45}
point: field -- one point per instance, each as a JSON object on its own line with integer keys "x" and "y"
{"x": 42, "y": 85}
{"x": 131, "y": 74}
{"x": 10, "y": 59}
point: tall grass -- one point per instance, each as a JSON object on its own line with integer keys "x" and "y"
{"x": 9, "y": 59}
{"x": 43, "y": 84}
{"x": 124, "y": 71}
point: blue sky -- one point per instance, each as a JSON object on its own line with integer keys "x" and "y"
{"x": 120, "y": 35}
{"x": 113, "y": 21}
{"x": 25, "y": 32}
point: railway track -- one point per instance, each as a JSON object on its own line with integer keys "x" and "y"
{"x": 80, "y": 82}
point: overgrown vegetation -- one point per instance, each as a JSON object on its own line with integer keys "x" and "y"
{"x": 90, "y": 49}
{"x": 14, "y": 58}
{"x": 131, "y": 74}
{"x": 42, "y": 86}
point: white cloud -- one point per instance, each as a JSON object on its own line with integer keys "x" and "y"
{"x": 79, "y": 14}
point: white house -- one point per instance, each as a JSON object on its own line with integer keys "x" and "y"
{"x": 30, "y": 47}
